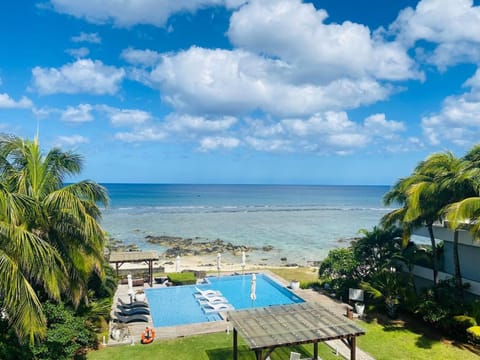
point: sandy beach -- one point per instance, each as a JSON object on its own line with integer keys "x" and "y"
{"x": 200, "y": 262}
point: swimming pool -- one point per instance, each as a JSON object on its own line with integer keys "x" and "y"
{"x": 177, "y": 305}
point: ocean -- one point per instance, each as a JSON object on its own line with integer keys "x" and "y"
{"x": 301, "y": 223}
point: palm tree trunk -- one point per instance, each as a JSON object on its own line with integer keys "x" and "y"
{"x": 434, "y": 255}
{"x": 456, "y": 263}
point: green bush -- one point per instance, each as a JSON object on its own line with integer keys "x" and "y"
{"x": 457, "y": 325}
{"x": 185, "y": 278}
{"x": 67, "y": 337}
{"x": 473, "y": 335}
{"x": 310, "y": 285}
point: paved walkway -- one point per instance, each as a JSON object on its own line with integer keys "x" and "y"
{"x": 133, "y": 331}
{"x": 335, "y": 306}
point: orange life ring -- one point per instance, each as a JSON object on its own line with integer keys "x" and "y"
{"x": 148, "y": 335}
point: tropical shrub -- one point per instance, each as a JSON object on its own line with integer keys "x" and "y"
{"x": 10, "y": 347}
{"x": 310, "y": 285}
{"x": 67, "y": 336}
{"x": 376, "y": 249}
{"x": 388, "y": 287}
{"x": 459, "y": 324}
{"x": 473, "y": 335}
{"x": 439, "y": 308}
{"x": 338, "y": 270}
{"x": 103, "y": 286}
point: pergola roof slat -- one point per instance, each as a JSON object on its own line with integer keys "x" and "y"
{"x": 264, "y": 328}
{"x": 133, "y": 256}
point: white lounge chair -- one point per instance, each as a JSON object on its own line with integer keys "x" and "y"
{"x": 295, "y": 356}
{"x": 212, "y": 300}
{"x": 211, "y": 308}
{"x": 207, "y": 293}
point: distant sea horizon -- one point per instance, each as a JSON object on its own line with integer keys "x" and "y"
{"x": 301, "y": 222}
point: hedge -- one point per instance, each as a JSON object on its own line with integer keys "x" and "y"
{"x": 184, "y": 278}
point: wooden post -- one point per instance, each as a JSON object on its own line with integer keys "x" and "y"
{"x": 315, "y": 350}
{"x": 352, "y": 343}
{"x": 235, "y": 348}
{"x": 116, "y": 267}
{"x": 259, "y": 354}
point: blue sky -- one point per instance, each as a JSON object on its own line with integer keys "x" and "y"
{"x": 234, "y": 91}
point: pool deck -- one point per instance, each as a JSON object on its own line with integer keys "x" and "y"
{"x": 309, "y": 295}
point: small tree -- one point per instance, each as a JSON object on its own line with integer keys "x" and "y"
{"x": 339, "y": 270}
{"x": 389, "y": 287}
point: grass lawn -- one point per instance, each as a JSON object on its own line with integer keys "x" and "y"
{"x": 201, "y": 347}
{"x": 409, "y": 339}
{"x": 300, "y": 273}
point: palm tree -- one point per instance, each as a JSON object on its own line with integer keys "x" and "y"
{"x": 450, "y": 180}
{"x": 26, "y": 261}
{"x": 63, "y": 219}
{"x": 375, "y": 248}
{"x": 410, "y": 218}
{"x": 466, "y": 211}
{"x": 436, "y": 182}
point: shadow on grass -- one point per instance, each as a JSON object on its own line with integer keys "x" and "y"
{"x": 245, "y": 354}
{"x": 428, "y": 336}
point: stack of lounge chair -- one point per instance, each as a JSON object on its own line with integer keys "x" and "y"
{"x": 136, "y": 311}
{"x": 212, "y": 301}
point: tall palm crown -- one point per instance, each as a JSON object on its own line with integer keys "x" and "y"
{"x": 468, "y": 208}
{"x": 50, "y": 235}
{"x": 424, "y": 196}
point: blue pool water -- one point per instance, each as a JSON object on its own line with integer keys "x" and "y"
{"x": 177, "y": 305}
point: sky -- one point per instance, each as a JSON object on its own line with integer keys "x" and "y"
{"x": 234, "y": 91}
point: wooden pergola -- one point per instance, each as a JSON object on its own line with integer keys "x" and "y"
{"x": 146, "y": 257}
{"x": 265, "y": 329}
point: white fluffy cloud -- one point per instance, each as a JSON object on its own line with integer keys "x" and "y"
{"x": 330, "y": 132}
{"x": 6, "y": 102}
{"x": 141, "y": 57}
{"x": 79, "y": 114}
{"x": 296, "y": 32}
{"x": 129, "y": 13}
{"x": 92, "y": 38}
{"x": 141, "y": 135}
{"x": 127, "y": 117}
{"x": 459, "y": 119}
{"x": 189, "y": 124}
{"x": 213, "y": 143}
{"x": 453, "y": 25}
{"x": 81, "y": 76}
{"x": 233, "y": 82}
{"x": 71, "y": 140}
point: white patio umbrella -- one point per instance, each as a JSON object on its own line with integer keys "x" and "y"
{"x": 130, "y": 286}
{"x": 219, "y": 263}
{"x": 253, "y": 288}
{"x": 177, "y": 264}
{"x": 242, "y": 264}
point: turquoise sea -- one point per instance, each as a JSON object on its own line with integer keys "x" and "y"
{"x": 302, "y": 223}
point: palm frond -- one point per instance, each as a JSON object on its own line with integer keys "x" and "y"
{"x": 21, "y": 304}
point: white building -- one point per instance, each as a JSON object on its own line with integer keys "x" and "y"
{"x": 469, "y": 255}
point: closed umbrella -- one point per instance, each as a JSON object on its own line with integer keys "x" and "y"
{"x": 219, "y": 263}
{"x": 130, "y": 286}
{"x": 177, "y": 264}
{"x": 253, "y": 288}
